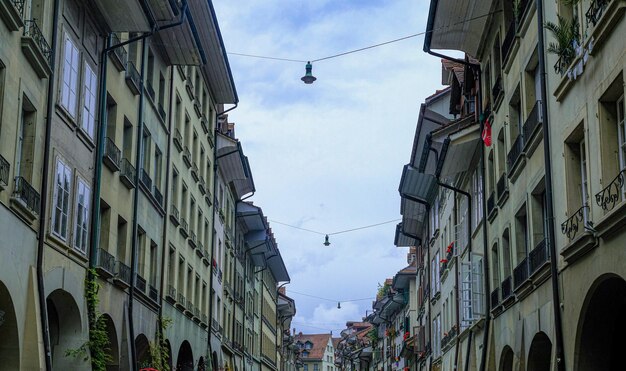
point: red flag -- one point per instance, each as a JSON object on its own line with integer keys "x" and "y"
{"x": 487, "y": 133}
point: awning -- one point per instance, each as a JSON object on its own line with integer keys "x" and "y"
{"x": 251, "y": 216}
{"x": 402, "y": 279}
{"x": 404, "y": 240}
{"x": 285, "y": 306}
{"x": 124, "y": 16}
{"x": 457, "y": 25}
{"x": 427, "y": 121}
{"x": 461, "y": 150}
{"x": 416, "y": 185}
{"x": 276, "y": 265}
{"x": 234, "y": 165}
{"x": 180, "y": 43}
{"x": 413, "y": 217}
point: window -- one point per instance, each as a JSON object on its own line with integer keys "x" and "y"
{"x": 619, "y": 109}
{"x": 434, "y": 217}
{"x": 316, "y": 367}
{"x": 477, "y": 197}
{"x": 576, "y": 171}
{"x": 61, "y": 199}
{"x": 127, "y": 140}
{"x": 521, "y": 234}
{"x": 89, "y": 104}
{"x": 69, "y": 84}
{"x": 472, "y": 294}
{"x": 122, "y": 230}
{"x": 26, "y": 141}
{"x": 81, "y": 228}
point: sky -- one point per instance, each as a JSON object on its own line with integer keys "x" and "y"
{"x": 328, "y": 156}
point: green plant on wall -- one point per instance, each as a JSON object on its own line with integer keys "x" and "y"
{"x": 98, "y": 346}
{"x": 158, "y": 348}
{"x": 566, "y": 34}
{"x": 373, "y": 336}
{"x": 383, "y": 290}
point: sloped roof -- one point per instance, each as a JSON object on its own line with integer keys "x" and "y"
{"x": 319, "y": 341}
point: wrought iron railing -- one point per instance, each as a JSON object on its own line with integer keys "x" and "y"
{"x": 140, "y": 283}
{"x": 561, "y": 65}
{"x": 27, "y": 194}
{"x": 507, "y": 42}
{"x": 171, "y": 292}
{"x": 532, "y": 121}
{"x": 175, "y": 213}
{"x": 578, "y": 221}
{"x": 491, "y": 202}
{"x": 184, "y": 226}
{"x": 5, "y": 167}
{"x": 19, "y": 6}
{"x": 132, "y": 74}
{"x": 32, "y": 30}
{"x": 153, "y": 293}
{"x": 123, "y": 272}
{"x": 507, "y": 290}
{"x": 612, "y": 194}
{"x": 127, "y": 170}
{"x": 178, "y": 140}
{"x": 194, "y": 171}
{"x": 520, "y": 273}
{"x": 181, "y": 299}
{"x": 145, "y": 179}
{"x": 495, "y": 297}
{"x": 158, "y": 196}
{"x": 596, "y": 8}
{"x": 538, "y": 256}
{"x": 515, "y": 152}
{"x": 106, "y": 260}
{"x": 187, "y": 156}
{"x": 192, "y": 238}
{"x": 496, "y": 90}
{"x": 120, "y": 51}
{"x": 501, "y": 185}
{"x": 111, "y": 152}
{"x": 202, "y": 185}
{"x": 161, "y": 111}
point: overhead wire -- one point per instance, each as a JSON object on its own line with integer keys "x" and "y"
{"x": 327, "y": 299}
{"x": 338, "y": 232}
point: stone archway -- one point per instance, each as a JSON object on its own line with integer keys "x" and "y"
{"x": 201, "y": 365}
{"x": 540, "y": 353}
{"x": 9, "y": 341}
{"x": 600, "y": 341}
{"x": 65, "y": 327}
{"x": 506, "y": 359}
{"x": 113, "y": 349}
{"x": 184, "y": 361}
{"x": 142, "y": 347}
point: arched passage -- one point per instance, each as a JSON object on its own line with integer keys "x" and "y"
{"x": 506, "y": 359}
{"x": 168, "y": 348}
{"x": 201, "y": 365}
{"x": 65, "y": 329}
{"x": 113, "y": 349}
{"x": 540, "y": 353}
{"x": 142, "y": 347}
{"x": 9, "y": 341}
{"x": 214, "y": 360}
{"x": 600, "y": 341}
{"x": 184, "y": 361}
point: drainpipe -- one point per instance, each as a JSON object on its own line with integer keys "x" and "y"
{"x": 560, "y": 357}
{"x": 43, "y": 308}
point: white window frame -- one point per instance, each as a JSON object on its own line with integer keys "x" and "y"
{"x": 584, "y": 179}
{"x": 61, "y": 197}
{"x": 82, "y": 210}
{"x": 69, "y": 78}
{"x": 477, "y": 198}
{"x": 472, "y": 291}
{"x": 90, "y": 91}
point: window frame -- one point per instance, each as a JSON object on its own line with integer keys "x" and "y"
{"x": 89, "y": 112}
{"x": 67, "y": 170}
{"x": 67, "y": 105}
{"x": 81, "y": 230}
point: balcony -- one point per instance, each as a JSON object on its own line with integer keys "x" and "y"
{"x": 189, "y": 308}
{"x": 215, "y": 325}
{"x": 187, "y": 157}
{"x": 181, "y": 301}
{"x": 184, "y": 227}
{"x": 119, "y": 56}
{"x": 508, "y": 42}
{"x": 26, "y": 198}
{"x": 520, "y": 274}
{"x": 150, "y": 90}
{"x": 200, "y": 250}
{"x": 194, "y": 171}
{"x": 563, "y": 63}
{"x": 612, "y": 194}
{"x": 133, "y": 79}
{"x": 36, "y": 49}
{"x": 122, "y": 274}
{"x": 595, "y": 11}
{"x": 204, "y": 319}
{"x": 538, "y": 257}
{"x": 491, "y": 206}
{"x": 161, "y": 111}
{"x": 105, "y": 264}
{"x": 153, "y": 294}
{"x": 531, "y": 127}
{"x": 514, "y": 157}
{"x": 202, "y": 185}
{"x": 502, "y": 189}
{"x": 507, "y": 290}
{"x": 140, "y": 283}
{"x": 145, "y": 179}
{"x": 497, "y": 93}
{"x": 11, "y": 13}
{"x": 197, "y": 106}
{"x": 171, "y": 294}
{"x": 5, "y": 168}
{"x": 174, "y": 215}
{"x": 158, "y": 196}
{"x": 204, "y": 124}
{"x": 189, "y": 87}
{"x": 192, "y": 239}
{"x": 112, "y": 155}
{"x": 178, "y": 140}
{"x": 495, "y": 297}
{"x": 579, "y": 221}
{"x": 127, "y": 174}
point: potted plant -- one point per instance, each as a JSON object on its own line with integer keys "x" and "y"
{"x": 567, "y": 35}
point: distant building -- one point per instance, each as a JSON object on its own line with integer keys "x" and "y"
{"x": 317, "y": 352}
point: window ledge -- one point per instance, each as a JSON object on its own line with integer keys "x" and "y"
{"x": 612, "y": 222}
{"x": 86, "y": 139}
{"x": 579, "y": 247}
{"x": 22, "y": 210}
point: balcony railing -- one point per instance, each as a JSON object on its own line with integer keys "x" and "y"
{"x": 184, "y": 227}
{"x": 532, "y": 121}
{"x": 112, "y": 155}
{"x": 496, "y": 90}
{"x": 123, "y": 272}
{"x": 120, "y": 54}
{"x": 491, "y": 202}
{"x": 178, "y": 140}
{"x": 150, "y": 90}
{"x": 495, "y": 297}
{"x": 507, "y": 42}
{"x": 181, "y": 299}
{"x": 214, "y": 324}
{"x": 578, "y": 221}
{"x": 127, "y": 173}
{"x": 507, "y": 290}
{"x": 19, "y": 5}
{"x": 204, "y": 318}
{"x": 520, "y": 273}
{"x": 5, "y": 167}
{"x": 612, "y": 194}
{"x": 187, "y": 156}
{"x": 140, "y": 283}
{"x": 596, "y": 8}
{"x": 175, "y": 215}
{"x": 501, "y": 186}
{"x": 194, "y": 171}
{"x": 158, "y": 196}
{"x": 192, "y": 239}
{"x": 161, "y": 111}
{"x": 133, "y": 79}
{"x": 202, "y": 185}
{"x": 27, "y": 194}
{"x": 106, "y": 261}
{"x": 145, "y": 179}
{"x": 515, "y": 153}
{"x": 153, "y": 294}
{"x": 171, "y": 292}
{"x": 538, "y": 256}
{"x": 561, "y": 65}
{"x": 32, "y": 30}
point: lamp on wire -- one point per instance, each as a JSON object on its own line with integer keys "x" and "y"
{"x": 308, "y": 77}
{"x": 338, "y": 305}
{"x": 326, "y": 242}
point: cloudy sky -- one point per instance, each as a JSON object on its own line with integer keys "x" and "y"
{"x": 328, "y": 156}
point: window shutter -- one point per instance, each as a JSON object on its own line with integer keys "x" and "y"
{"x": 478, "y": 295}
{"x": 466, "y": 295}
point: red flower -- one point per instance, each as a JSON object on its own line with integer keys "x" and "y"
{"x": 443, "y": 261}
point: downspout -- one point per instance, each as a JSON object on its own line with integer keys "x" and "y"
{"x": 43, "y": 308}
{"x": 560, "y": 357}
{"x": 214, "y": 232}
